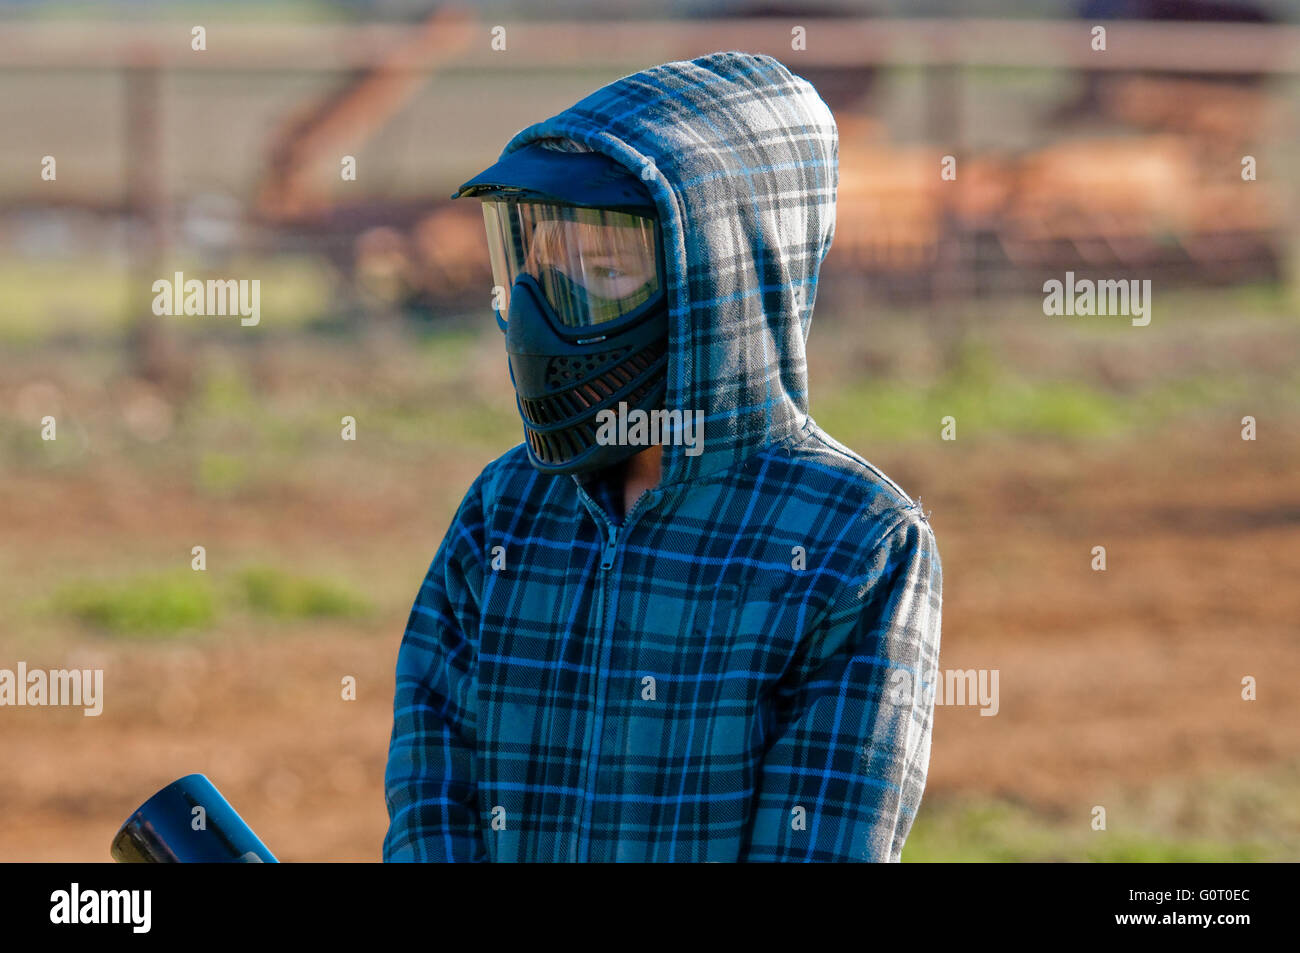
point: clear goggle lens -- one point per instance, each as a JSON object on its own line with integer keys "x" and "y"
{"x": 595, "y": 266}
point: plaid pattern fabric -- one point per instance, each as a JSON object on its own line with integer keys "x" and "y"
{"x": 738, "y": 668}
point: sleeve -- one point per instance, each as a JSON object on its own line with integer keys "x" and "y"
{"x": 429, "y": 782}
{"x": 843, "y": 775}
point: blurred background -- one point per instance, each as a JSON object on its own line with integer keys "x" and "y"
{"x": 1119, "y": 689}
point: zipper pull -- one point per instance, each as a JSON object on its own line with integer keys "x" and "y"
{"x": 607, "y": 553}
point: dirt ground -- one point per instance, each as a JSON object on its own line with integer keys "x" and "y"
{"x": 1108, "y": 680}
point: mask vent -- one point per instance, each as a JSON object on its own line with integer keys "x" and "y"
{"x": 633, "y": 380}
{"x": 563, "y": 371}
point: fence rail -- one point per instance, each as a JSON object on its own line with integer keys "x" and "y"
{"x": 831, "y": 42}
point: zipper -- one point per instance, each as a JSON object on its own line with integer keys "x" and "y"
{"x": 608, "y": 550}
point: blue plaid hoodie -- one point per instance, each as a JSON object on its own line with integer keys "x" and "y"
{"x": 736, "y": 669}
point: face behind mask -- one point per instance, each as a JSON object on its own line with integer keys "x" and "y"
{"x": 586, "y": 324}
{"x": 577, "y": 256}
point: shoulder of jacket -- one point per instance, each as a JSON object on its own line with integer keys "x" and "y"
{"x": 509, "y": 468}
{"x": 855, "y": 482}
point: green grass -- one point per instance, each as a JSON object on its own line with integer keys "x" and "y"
{"x": 981, "y": 393}
{"x": 1229, "y": 816}
{"x": 143, "y": 606}
{"x": 989, "y": 397}
{"x": 1000, "y": 832}
{"x": 219, "y": 474}
{"x": 46, "y": 298}
{"x": 166, "y": 605}
{"x": 95, "y": 298}
{"x": 278, "y": 594}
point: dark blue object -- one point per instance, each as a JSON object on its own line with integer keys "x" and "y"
{"x": 585, "y": 179}
{"x": 188, "y": 822}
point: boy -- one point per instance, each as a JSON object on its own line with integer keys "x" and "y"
{"x": 679, "y": 621}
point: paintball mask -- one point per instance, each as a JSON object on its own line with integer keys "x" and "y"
{"x": 577, "y": 259}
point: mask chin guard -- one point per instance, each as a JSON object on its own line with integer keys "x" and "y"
{"x": 561, "y": 386}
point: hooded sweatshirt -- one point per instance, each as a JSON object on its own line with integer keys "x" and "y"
{"x": 741, "y": 667}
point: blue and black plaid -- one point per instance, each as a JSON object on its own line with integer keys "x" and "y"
{"x": 737, "y": 668}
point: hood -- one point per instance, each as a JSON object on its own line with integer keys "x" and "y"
{"x": 740, "y": 156}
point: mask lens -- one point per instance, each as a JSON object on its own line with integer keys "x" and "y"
{"x": 502, "y": 253}
{"x": 594, "y": 266}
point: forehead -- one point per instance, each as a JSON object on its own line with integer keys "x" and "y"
{"x": 596, "y": 235}
{"x": 610, "y": 233}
